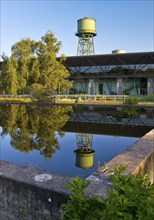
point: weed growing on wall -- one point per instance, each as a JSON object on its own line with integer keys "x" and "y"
{"x": 80, "y": 206}
{"x": 132, "y": 198}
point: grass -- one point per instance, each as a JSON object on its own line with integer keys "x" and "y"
{"x": 15, "y": 100}
{"x": 101, "y": 102}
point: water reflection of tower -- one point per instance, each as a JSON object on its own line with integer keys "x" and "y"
{"x": 84, "y": 151}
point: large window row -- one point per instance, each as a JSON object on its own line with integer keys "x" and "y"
{"x": 121, "y": 69}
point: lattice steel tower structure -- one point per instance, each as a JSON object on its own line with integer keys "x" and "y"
{"x": 86, "y": 31}
{"x": 84, "y": 151}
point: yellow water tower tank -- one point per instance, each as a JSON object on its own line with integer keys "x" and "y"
{"x": 86, "y": 31}
{"x": 86, "y": 26}
{"x": 85, "y": 160}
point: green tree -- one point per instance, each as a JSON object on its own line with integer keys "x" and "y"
{"x": 53, "y": 73}
{"x": 22, "y": 52}
{"x": 8, "y": 77}
{"x": 35, "y": 62}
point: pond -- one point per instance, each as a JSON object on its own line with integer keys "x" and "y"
{"x": 72, "y": 141}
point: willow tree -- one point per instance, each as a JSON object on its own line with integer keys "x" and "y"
{"x": 34, "y": 65}
{"x": 8, "y": 77}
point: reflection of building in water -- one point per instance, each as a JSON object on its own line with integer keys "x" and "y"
{"x": 84, "y": 151}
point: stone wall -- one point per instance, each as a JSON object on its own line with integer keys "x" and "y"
{"x": 139, "y": 159}
{"x": 33, "y": 194}
{"x": 30, "y": 194}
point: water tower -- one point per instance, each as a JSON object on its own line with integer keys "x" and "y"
{"x": 84, "y": 151}
{"x": 86, "y": 31}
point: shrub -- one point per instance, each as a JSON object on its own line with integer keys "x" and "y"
{"x": 79, "y": 206}
{"x": 131, "y": 198}
{"x": 150, "y": 98}
{"x": 131, "y": 100}
{"x": 40, "y": 93}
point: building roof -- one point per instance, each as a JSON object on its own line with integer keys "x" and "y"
{"x": 110, "y": 59}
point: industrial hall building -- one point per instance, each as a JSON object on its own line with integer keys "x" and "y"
{"x": 117, "y": 73}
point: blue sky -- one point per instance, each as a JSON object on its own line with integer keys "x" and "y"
{"x": 127, "y": 25}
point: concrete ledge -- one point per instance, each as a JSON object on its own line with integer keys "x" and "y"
{"x": 33, "y": 176}
{"x": 32, "y": 193}
{"x": 139, "y": 158}
{"x": 36, "y": 194}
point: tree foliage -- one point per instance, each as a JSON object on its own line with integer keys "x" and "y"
{"x": 35, "y": 62}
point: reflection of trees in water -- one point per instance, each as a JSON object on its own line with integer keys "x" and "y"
{"x": 131, "y": 112}
{"x": 34, "y": 128}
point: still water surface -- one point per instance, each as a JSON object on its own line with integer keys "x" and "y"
{"x": 67, "y": 140}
